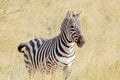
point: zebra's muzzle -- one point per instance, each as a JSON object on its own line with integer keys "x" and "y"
{"x": 81, "y": 41}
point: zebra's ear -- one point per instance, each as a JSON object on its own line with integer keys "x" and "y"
{"x": 69, "y": 14}
{"x": 79, "y": 14}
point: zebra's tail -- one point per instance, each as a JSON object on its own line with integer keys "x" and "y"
{"x": 22, "y": 45}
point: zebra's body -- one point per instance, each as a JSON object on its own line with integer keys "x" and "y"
{"x": 48, "y": 54}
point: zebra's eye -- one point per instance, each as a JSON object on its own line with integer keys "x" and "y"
{"x": 72, "y": 26}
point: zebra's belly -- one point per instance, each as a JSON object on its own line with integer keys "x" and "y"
{"x": 48, "y": 67}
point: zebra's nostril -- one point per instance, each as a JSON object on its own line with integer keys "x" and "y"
{"x": 82, "y": 41}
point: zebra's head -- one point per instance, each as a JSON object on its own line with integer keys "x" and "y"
{"x": 72, "y": 28}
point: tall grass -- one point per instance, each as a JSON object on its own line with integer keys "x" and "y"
{"x": 22, "y": 20}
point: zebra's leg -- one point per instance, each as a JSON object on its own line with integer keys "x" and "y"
{"x": 30, "y": 69}
{"x": 66, "y": 72}
{"x": 31, "y": 72}
{"x": 53, "y": 72}
{"x": 53, "y": 75}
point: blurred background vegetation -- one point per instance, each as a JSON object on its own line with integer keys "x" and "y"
{"x": 22, "y": 20}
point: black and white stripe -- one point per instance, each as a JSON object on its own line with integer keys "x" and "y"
{"x": 48, "y": 54}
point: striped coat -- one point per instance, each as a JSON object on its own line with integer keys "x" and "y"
{"x": 48, "y": 54}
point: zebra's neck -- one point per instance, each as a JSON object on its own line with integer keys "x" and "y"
{"x": 65, "y": 43}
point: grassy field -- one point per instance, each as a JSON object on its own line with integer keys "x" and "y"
{"x": 22, "y": 20}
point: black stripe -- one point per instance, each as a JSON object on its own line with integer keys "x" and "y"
{"x": 37, "y": 41}
{"x": 28, "y": 49}
{"x": 73, "y": 34}
{"x": 66, "y": 37}
{"x": 72, "y": 29}
{"x": 57, "y": 52}
{"x": 56, "y": 48}
{"x": 27, "y": 66}
{"x": 34, "y": 52}
{"x": 33, "y": 46}
{"x": 26, "y": 56}
{"x": 60, "y": 47}
{"x": 26, "y": 62}
{"x": 63, "y": 42}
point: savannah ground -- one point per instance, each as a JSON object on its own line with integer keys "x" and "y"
{"x": 22, "y": 20}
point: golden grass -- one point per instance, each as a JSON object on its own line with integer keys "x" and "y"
{"x": 22, "y": 20}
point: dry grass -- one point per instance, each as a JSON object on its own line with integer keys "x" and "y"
{"x": 22, "y": 20}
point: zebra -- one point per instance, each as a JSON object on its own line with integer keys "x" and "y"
{"x": 48, "y": 54}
